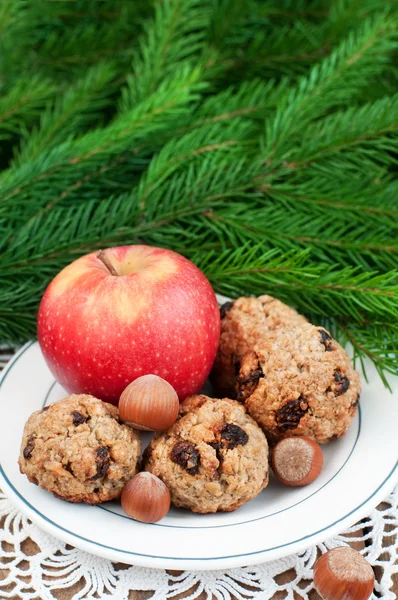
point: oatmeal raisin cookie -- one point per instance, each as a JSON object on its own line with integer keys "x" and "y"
{"x": 214, "y": 458}
{"x": 244, "y": 322}
{"x": 78, "y": 450}
{"x": 301, "y": 382}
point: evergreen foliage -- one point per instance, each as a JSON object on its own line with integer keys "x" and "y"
{"x": 258, "y": 138}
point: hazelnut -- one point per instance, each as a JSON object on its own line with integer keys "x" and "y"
{"x": 149, "y": 403}
{"x": 145, "y": 498}
{"x": 343, "y": 574}
{"x": 297, "y": 460}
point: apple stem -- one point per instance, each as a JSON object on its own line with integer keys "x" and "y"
{"x": 105, "y": 260}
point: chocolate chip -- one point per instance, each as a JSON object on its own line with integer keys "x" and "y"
{"x": 27, "y": 453}
{"x": 232, "y": 436}
{"x": 343, "y": 383}
{"x": 326, "y": 340}
{"x": 103, "y": 462}
{"x": 288, "y": 417}
{"x": 248, "y": 383}
{"x": 224, "y": 308}
{"x": 45, "y": 408}
{"x": 354, "y": 404}
{"x": 78, "y": 418}
{"x": 186, "y": 455}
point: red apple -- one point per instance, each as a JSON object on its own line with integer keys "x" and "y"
{"x": 104, "y": 321}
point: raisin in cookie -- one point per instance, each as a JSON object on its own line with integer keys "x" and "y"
{"x": 78, "y": 450}
{"x": 214, "y": 458}
{"x": 301, "y": 382}
{"x": 244, "y": 322}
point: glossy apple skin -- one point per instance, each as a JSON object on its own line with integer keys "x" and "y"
{"x": 98, "y": 332}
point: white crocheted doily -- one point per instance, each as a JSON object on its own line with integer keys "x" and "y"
{"x": 55, "y": 566}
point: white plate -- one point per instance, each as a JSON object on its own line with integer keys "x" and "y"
{"x": 360, "y": 469}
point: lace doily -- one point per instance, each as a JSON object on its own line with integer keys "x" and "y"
{"x": 34, "y": 565}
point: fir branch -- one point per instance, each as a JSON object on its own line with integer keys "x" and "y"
{"x": 334, "y": 238}
{"x": 291, "y": 49}
{"x": 174, "y": 36}
{"x": 254, "y": 100}
{"x": 371, "y": 125}
{"x": 277, "y": 183}
{"x": 61, "y": 39}
{"x": 218, "y": 138}
{"x": 375, "y": 341}
{"x": 331, "y": 84}
{"x": 10, "y": 13}
{"x": 18, "y": 310}
{"x": 313, "y": 287}
{"x": 347, "y": 14}
{"x": 190, "y": 193}
{"x": 364, "y": 198}
{"x": 73, "y": 160}
{"x": 21, "y": 105}
{"x": 273, "y": 40}
{"x": 80, "y": 106}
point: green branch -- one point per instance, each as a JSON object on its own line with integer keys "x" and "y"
{"x": 256, "y": 139}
